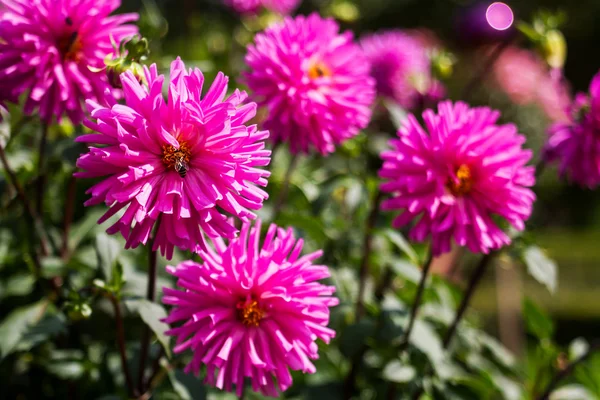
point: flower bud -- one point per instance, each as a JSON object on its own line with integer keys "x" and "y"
{"x": 554, "y": 48}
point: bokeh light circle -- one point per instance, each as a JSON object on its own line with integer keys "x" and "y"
{"x": 499, "y": 16}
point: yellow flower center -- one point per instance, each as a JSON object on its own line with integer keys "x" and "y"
{"x": 172, "y": 155}
{"x": 249, "y": 312}
{"x": 463, "y": 182}
{"x": 318, "y": 70}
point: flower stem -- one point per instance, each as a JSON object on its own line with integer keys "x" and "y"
{"x": 473, "y": 283}
{"x": 568, "y": 371}
{"x": 121, "y": 344}
{"x": 29, "y": 211}
{"x": 285, "y": 186}
{"x": 417, "y": 301}
{"x": 41, "y": 178}
{"x": 367, "y": 247}
{"x": 68, "y": 217}
{"x": 150, "y": 295}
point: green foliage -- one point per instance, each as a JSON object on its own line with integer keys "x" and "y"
{"x": 59, "y": 311}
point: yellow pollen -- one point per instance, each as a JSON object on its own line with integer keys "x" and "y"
{"x": 249, "y": 312}
{"x": 171, "y": 154}
{"x": 318, "y": 70}
{"x": 463, "y": 182}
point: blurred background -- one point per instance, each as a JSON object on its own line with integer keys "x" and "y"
{"x": 201, "y": 33}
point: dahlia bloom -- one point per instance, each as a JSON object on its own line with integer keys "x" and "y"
{"x": 453, "y": 175}
{"x": 525, "y": 78}
{"x": 282, "y": 7}
{"x": 313, "y": 81}
{"x": 576, "y": 144}
{"x": 251, "y": 311}
{"x": 183, "y": 160}
{"x": 49, "y": 50}
{"x": 401, "y": 66}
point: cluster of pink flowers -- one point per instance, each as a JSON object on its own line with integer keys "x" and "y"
{"x": 313, "y": 81}
{"x": 401, "y": 65}
{"x": 525, "y": 78}
{"x": 51, "y": 51}
{"x": 575, "y": 143}
{"x": 180, "y": 170}
{"x": 282, "y": 7}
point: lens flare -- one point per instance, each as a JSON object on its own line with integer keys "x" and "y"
{"x": 499, "y": 16}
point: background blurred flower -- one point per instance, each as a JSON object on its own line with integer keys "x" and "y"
{"x": 401, "y": 65}
{"x": 454, "y": 175}
{"x": 282, "y": 7}
{"x": 184, "y": 160}
{"x": 576, "y": 143}
{"x": 48, "y": 47}
{"x": 526, "y": 79}
{"x": 313, "y": 81}
{"x": 251, "y": 311}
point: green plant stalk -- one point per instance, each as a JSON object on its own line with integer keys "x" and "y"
{"x": 33, "y": 216}
{"x": 417, "y": 301}
{"x": 568, "y": 371}
{"x": 41, "y": 177}
{"x": 150, "y": 295}
{"x": 468, "y": 296}
{"x": 367, "y": 248}
{"x": 285, "y": 187}
{"x": 121, "y": 344}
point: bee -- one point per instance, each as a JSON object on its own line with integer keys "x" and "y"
{"x": 181, "y": 166}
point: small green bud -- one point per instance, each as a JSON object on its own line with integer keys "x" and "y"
{"x": 554, "y": 48}
{"x": 442, "y": 63}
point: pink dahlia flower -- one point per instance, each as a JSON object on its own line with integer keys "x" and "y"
{"x": 49, "y": 49}
{"x": 313, "y": 81}
{"x": 184, "y": 160}
{"x": 401, "y": 66}
{"x": 576, "y": 144}
{"x": 251, "y": 311}
{"x": 454, "y": 175}
{"x": 526, "y": 79}
{"x": 282, "y": 7}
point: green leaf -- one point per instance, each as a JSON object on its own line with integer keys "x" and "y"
{"x": 577, "y": 348}
{"x": 398, "y": 372}
{"x": 354, "y": 336}
{"x": 152, "y": 313}
{"x": 82, "y": 228}
{"x": 536, "y": 321}
{"x": 540, "y": 267}
{"x": 187, "y": 386}
{"x": 18, "y": 285}
{"x": 108, "y": 249}
{"x": 51, "y": 325}
{"x": 403, "y": 244}
{"x": 17, "y": 323}
{"x": 572, "y": 392}
{"x": 397, "y": 114}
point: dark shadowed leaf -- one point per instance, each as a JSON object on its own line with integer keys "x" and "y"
{"x": 187, "y": 386}
{"x": 50, "y": 326}
{"x": 17, "y": 323}
{"x": 152, "y": 313}
{"x": 354, "y": 336}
